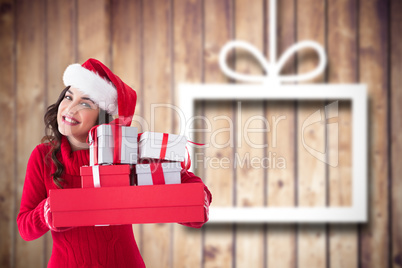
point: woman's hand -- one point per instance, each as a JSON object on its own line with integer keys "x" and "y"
{"x": 49, "y": 221}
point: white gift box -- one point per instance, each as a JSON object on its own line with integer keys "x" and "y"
{"x": 150, "y": 146}
{"x": 105, "y": 144}
{"x": 158, "y": 173}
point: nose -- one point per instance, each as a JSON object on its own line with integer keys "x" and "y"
{"x": 72, "y": 108}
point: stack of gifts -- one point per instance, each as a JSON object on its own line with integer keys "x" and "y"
{"x": 108, "y": 196}
{"x": 117, "y": 153}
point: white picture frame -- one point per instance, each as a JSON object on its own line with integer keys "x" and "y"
{"x": 355, "y": 93}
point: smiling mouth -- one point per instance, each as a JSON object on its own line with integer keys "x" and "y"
{"x": 69, "y": 120}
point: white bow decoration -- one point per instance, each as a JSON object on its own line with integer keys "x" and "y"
{"x": 272, "y": 68}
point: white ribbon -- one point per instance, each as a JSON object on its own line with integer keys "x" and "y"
{"x": 272, "y": 69}
{"x": 96, "y": 179}
{"x": 91, "y": 154}
{"x": 95, "y": 176}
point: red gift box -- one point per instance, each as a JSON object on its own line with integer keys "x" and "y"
{"x": 128, "y": 205}
{"x": 109, "y": 176}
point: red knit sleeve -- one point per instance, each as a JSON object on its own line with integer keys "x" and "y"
{"x": 30, "y": 219}
{"x": 189, "y": 177}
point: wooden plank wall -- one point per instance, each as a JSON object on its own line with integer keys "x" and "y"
{"x": 219, "y": 240}
{"x": 395, "y": 136}
{"x": 341, "y": 48}
{"x": 153, "y": 46}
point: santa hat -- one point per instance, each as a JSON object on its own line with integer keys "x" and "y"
{"x": 106, "y": 89}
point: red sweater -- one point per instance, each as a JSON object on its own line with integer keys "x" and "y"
{"x": 100, "y": 246}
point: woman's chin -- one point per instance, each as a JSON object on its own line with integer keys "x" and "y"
{"x": 78, "y": 143}
{"x": 73, "y": 137}
{"x": 64, "y": 131}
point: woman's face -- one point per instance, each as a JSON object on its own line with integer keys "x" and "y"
{"x": 77, "y": 114}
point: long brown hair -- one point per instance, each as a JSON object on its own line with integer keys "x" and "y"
{"x": 53, "y": 136}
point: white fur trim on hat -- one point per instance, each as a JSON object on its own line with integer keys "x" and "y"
{"x": 100, "y": 90}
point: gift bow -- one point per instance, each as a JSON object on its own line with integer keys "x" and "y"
{"x": 272, "y": 69}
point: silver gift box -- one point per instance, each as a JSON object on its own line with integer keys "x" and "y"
{"x": 171, "y": 173}
{"x": 129, "y": 145}
{"x": 150, "y": 144}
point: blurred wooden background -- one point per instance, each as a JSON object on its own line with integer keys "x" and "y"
{"x": 153, "y": 46}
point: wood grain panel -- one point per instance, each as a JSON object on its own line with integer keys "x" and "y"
{"x": 250, "y": 182}
{"x": 218, "y": 29}
{"x": 373, "y": 70}
{"x": 126, "y": 45}
{"x": 94, "y": 37}
{"x": 218, "y": 239}
{"x": 157, "y": 251}
{"x": 342, "y": 45}
{"x": 157, "y": 65}
{"x": 311, "y": 190}
{"x": 281, "y": 239}
{"x": 126, "y": 58}
{"x": 187, "y": 44}
{"x": 250, "y": 129}
{"x": 60, "y": 50}
{"x": 30, "y": 63}
{"x": 7, "y": 139}
{"x": 60, "y": 44}
{"x": 396, "y": 129}
{"x": 311, "y": 171}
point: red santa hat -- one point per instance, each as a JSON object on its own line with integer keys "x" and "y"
{"x": 106, "y": 89}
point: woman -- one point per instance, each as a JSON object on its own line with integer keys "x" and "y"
{"x": 92, "y": 91}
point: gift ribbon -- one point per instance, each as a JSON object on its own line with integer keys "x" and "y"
{"x": 117, "y": 137}
{"x": 157, "y": 173}
{"x": 116, "y": 133}
{"x": 164, "y": 145}
{"x": 186, "y": 165}
{"x": 95, "y": 176}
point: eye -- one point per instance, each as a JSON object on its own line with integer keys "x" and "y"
{"x": 68, "y": 97}
{"x": 86, "y": 105}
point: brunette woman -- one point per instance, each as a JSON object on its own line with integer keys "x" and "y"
{"x": 92, "y": 94}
